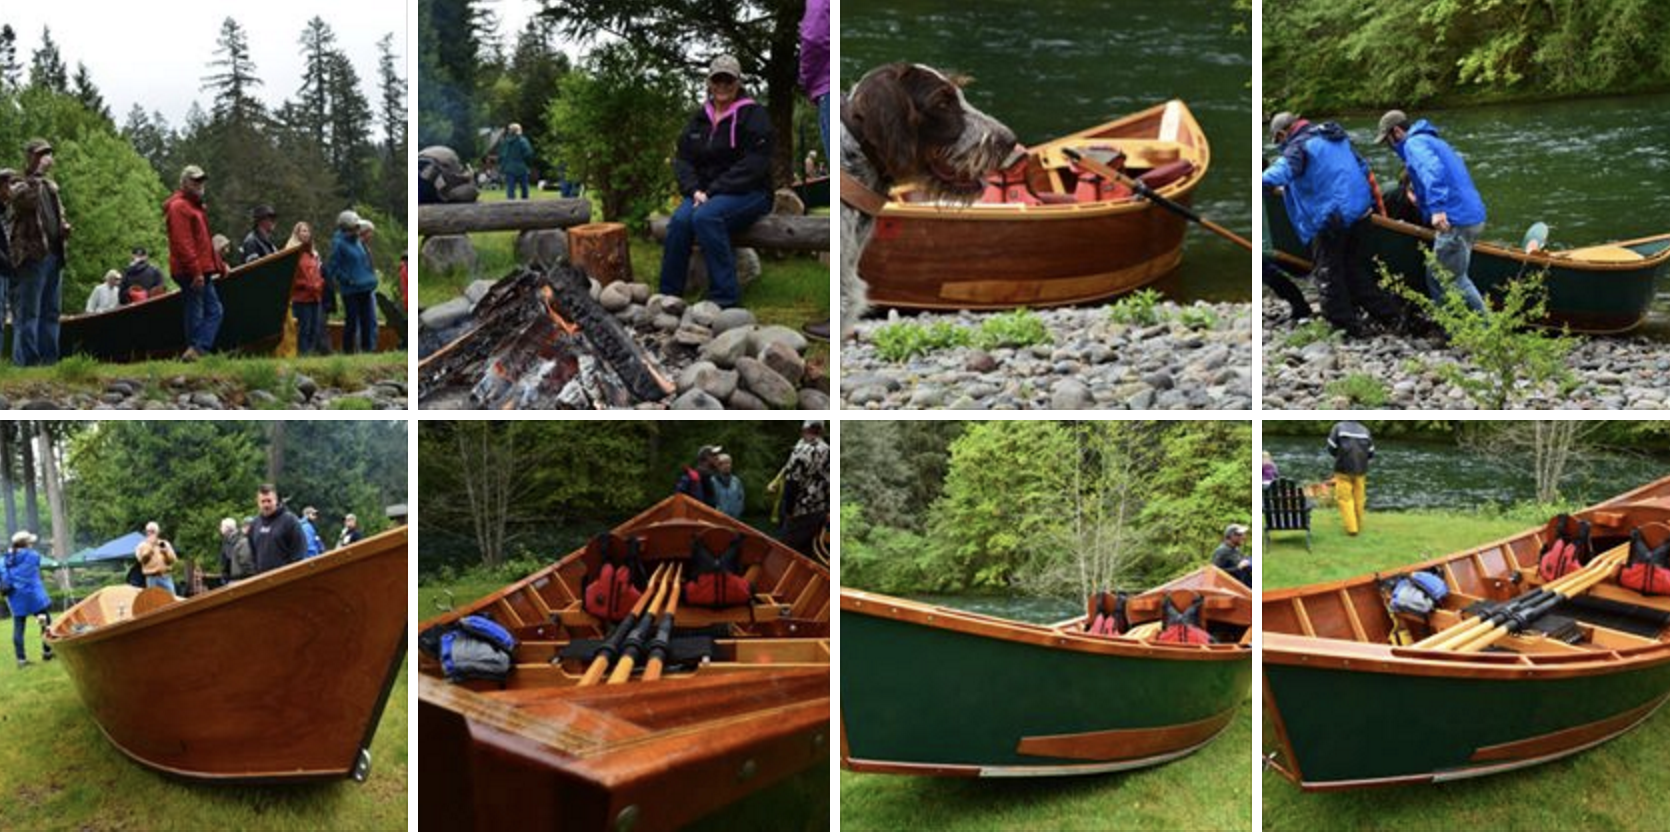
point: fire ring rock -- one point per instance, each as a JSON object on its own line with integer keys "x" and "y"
{"x": 615, "y": 297}
{"x": 775, "y": 333}
{"x": 788, "y": 364}
{"x": 767, "y": 384}
{"x": 698, "y": 400}
{"x": 447, "y": 253}
{"x": 741, "y": 400}
{"x": 541, "y": 247}
{"x": 728, "y": 347}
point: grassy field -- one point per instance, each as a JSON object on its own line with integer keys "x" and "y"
{"x": 1207, "y": 791}
{"x": 231, "y": 377}
{"x": 1618, "y": 786}
{"x": 791, "y": 291}
{"x": 800, "y": 803}
{"x": 58, "y": 773}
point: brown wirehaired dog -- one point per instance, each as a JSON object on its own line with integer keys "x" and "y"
{"x": 907, "y": 123}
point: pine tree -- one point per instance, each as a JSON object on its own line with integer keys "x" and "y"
{"x": 234, "y": 86}
{"x": 88, "y": 94}
{"x": 317, "y": 42}
{"x": 451, "y": 40}
{"x": 393, "y": 106}
{"x": 148, "y": 134}
{"x": 46, "y": 68}
{"x": 11, "y": 72}
{"x": 350, "y": 124}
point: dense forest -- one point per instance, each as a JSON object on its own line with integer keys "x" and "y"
{"x": 497, "y": 491}
{"x": 1036, "y": 507}
{"x": 79, "y": 484}
{"x": 1620, "y": 435}
{"x": 339, "y": 143}
{"x": 610, "y": 119}
{"x": 1327, "y": 55}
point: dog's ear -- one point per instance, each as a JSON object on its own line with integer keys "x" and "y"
{"x": 886, "y": 118}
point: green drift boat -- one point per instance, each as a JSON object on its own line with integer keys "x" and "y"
{"x": 1596, "y": 289}
{"x": 255, "y": 296}
{"x": 1565, "y": 665}
{"x": 936, "y": 691}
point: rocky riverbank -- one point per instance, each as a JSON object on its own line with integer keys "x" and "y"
{"x": 182, "y": 393}
{"x": 1300, "y": 372}
{"x": 1191, "y": 357}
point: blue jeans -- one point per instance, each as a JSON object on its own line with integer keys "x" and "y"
{"x": 203, "y": 312}
{"x": 310, "y": 327}
{"x": 1454, "y": 250}
{"x": 710, "y": 225}
{"x": 510, "y": 183}
{"x": 161, "y": 581}
{"x": 359, "y": 327}
{"x": 35, "y": 314}
{"x": 823, "y": 122}
{"x": 20, "y": 624}
{"x": 568, "y": 187}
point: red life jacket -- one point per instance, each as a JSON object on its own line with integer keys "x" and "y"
{"x": 1648, "y": 569}
{"x": 1184, "y": 633}
{"x": 1559, "y": 560}
{"x": 717, "y": 581}
{"x": 611, "y": 595}
{"x": 1106, "y": 614}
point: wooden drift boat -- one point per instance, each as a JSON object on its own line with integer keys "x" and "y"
{"x": 279, "y": 677}
{"x": 1046, "y": 232}
{"x": 559, "y": 747}
{"x": 935, "y": 691}
{"x": 1596, "y": 289}
{"x": 1564, "y": 666}
{"x": 255, "y": 296}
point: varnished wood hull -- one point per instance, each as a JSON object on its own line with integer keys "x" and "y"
{"x": 277, "y": 678}
{"x": 997, "y": 256}
{"x": 544, "y": 753}
{"x": 933, "y": 691}
{"x": 1351, "y": 710}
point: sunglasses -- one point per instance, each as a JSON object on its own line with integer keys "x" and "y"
{"x": 722, "y": 79}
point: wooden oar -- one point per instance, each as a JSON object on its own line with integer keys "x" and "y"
{"x": 1449, "y": 639}
{"x": 1140, "y": 187}
{"x": 635, "y": 641}
{"x": 611, "y": 646}
{"x": 1488, "y": 638}
{"x": 662, "y": 644}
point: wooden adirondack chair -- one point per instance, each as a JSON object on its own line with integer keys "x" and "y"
{"x": 1286, "y": 508}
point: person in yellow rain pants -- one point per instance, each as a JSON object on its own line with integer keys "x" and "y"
{"x": 1352, "y": 447}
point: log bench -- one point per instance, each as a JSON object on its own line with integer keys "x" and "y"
{"x": 783, "y": 232}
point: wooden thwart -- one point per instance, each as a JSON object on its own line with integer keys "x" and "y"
{"x": 1476, "y": 633}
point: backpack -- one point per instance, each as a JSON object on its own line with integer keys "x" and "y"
{"x": 1648, "y": 569}
{"x": 1419, "y": 593}
{"x": 1106, "y": 615}
{"x": 443, "y": 177}
{"x": 476, "y": 648}
{"x": 1183, "y": 626}
{"x": 610, "y": 590}
{"x": 716, "y": 580}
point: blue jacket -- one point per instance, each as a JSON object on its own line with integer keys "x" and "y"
{"x": 1440, "y": 177}
{"x": 21, "y": 569}
{"x": 350, "y": 264}
{"x": 1323, "y": 180}
{"x": 728, "y": 498}
{"x": 315, "y": 546}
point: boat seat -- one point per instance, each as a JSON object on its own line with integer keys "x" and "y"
{"x": 1167, "y": 174}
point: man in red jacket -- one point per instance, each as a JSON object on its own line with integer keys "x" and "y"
{"x": 194, "y": 262}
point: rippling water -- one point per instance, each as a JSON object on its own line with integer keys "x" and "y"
{"x": 1051, "y": 67}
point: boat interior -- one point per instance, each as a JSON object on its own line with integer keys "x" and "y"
{"x": 1156, "y": 148}
{"x": 1585, "y": 614}
{"x": 1225, "y": 611}
{"x": 782, "y": 625}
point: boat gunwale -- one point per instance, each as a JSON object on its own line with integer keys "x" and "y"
{"x": 1551, "y": 259}
{"x": 1041, "y": 636}
{"x": 368, "y": 548}
{"x": 232, "y": 273}
{"x": 1198, "y": 152}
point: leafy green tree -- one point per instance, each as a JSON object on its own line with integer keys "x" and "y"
{"x": 616, "y": 123}
{"x": 114, "y": 200}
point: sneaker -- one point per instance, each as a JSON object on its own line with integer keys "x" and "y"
{"x": 22, "y": 662}
{"x": 191, "y": 355}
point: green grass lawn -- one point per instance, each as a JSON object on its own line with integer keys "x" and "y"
{"x": 59, "y": 773}
{"x": 799, "y": 803}
{"x": 791, "y": 291}
{"x": 229, "y": 376}
{"x": 1206, "y": 791}
{"x": 1619, "y": 785}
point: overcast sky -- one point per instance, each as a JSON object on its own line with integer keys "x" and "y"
{"x": 156, "y": 54}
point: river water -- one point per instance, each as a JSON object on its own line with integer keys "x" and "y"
{"x": 1416, "y": 474}
{"x": 1051, "y": 67}
{"x": 1040, "y": 610}
{"x": 1592, "y": 169}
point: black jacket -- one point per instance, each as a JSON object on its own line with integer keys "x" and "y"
{"x": 141, "y": 274}
{"x": 277, "y": 540}
{"x": 255, "y": 246}
{"x": 709, "y": 161}
{"x": 1352, "y": 447}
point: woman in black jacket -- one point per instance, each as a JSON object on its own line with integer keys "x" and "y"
{"x": 724, "y": 172}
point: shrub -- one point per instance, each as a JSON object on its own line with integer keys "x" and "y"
{"x": 1140, "y": 308}
{"x": 1360, "y": 389}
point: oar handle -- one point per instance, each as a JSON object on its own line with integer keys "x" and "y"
{"x": 664, "y": 634}
{"x": 629, "y": 657}
{"x": 611, "y": 647}
{"x": 1098, "y": 168}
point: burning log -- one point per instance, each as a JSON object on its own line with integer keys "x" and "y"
{"x": 541, "y": 341}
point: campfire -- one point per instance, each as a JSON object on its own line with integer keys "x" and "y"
{"x": 540, "y": 341}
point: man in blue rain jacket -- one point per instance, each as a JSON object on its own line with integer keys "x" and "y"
{"x": 1445, "y": 195}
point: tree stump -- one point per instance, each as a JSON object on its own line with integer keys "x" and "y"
{"x": 541, "y": 247}
{"x": 447, "y": 253}
{"x": 600, "y": 250}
